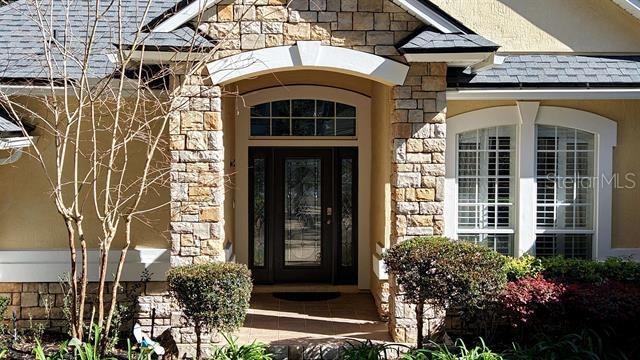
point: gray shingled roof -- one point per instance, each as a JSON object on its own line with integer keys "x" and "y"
{"x": 433, "y": 41}
{"x": 179, "y": 38}
{"x": 21, "y": 42}
{"x": 8, "y": 126}
{"x": 553, "y": 70}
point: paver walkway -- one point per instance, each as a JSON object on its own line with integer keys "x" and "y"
{"x": 282, "y": 322}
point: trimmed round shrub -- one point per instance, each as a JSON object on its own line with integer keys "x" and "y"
{"x": 212, "y": 296}
{"x": 445, "y": 273}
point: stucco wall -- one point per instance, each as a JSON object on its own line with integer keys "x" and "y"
{"x": 626, "y": 197}
{"x": 28, "y": 216}
{"x": 549, "y": 25}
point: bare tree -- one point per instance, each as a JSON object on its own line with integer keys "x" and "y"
{"x": 108, "y": 114}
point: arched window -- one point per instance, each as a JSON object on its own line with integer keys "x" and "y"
{"x": 303, "y": 117}
{"x": 531, "y": 179}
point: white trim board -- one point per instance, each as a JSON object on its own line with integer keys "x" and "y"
{"x": 544, "y": 94}
{"x": 454, "y": 59}
{"x": 307, "y": 55}
{"x": 184, "y": 15}
{"x": 428, "y": 16}
{"x": 525, "y": 115}
{"x": 631, "y": 6}
{"x": 414, "y": 7}
{"x": 49, "y": 265}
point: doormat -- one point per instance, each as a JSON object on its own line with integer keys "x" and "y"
{"x": 306, "y": 296}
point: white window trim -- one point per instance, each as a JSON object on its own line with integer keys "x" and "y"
{"x": 525, "y": 116}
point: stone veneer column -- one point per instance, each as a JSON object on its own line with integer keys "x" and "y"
{"x": 417, "y": 185}
{"x": 197, "y": 183}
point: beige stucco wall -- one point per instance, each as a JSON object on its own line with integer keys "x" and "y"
{"x": 549, "y": 25}
{"x": 28, "y": 216}
{"x": 626, "y": 159}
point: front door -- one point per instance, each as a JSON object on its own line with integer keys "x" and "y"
{"x": 303, "y": 217}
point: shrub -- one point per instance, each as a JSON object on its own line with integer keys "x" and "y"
{"x": 522, "y": 267}
{"x": 607, "y": 304}
{"x": 212, "y": 296}
{"x": 592, "y": 271}
{"x": 446, "y": 273}
{"x": 529, "y": 302}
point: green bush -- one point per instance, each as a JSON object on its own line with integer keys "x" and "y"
{"x": 591, "y": 271}
{"x": 234, "y": 351}
{"x": 446, "y": 273}
{"x": 212, "y": 296}
{"x": 526, "y": 266}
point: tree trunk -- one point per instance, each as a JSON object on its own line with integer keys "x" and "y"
{"x": 198, "y": 330}
{"x": 73, "y": 279}
{"x": 84, "y": 279}
{"x": 420, "y": 322}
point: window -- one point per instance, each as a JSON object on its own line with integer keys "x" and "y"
{"x": 485, "y": 187}
{"x": 531, "y": 179}
{"x": 565, "y": 176}
{"x": 303, "y": 117}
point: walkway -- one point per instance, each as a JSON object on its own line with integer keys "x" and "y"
{"x": 281, "y": 322}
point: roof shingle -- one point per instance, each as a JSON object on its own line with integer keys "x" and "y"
{"x": 433, "y": 41}
{"x": 553, "y": 70}
{"x": 22, "y": 45}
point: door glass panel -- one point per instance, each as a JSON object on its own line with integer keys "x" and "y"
{"x": 302, "y": 212}
{"x": 259, "y": 214}
{"x": 346, "y": 215}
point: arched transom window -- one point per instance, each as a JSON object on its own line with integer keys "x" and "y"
{"x": 303, "y": 117}
{"x": 529, "y": 179}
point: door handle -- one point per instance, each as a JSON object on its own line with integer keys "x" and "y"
{"x": 329, "y": 213}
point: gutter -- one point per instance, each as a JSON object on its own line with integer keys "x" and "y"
{"x": 544, "y": 94}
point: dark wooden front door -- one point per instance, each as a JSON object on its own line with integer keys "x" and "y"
{"x": 302, "y": 214}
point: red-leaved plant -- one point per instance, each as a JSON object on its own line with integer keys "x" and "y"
{"x": 529, "y": 301}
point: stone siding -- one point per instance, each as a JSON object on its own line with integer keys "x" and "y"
{"x": 42, "y": 304}
{"x": 372, "y": 26}
{"x": 418, "y": 136}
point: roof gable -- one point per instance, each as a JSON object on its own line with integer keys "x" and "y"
{"x": 424, "y": 10}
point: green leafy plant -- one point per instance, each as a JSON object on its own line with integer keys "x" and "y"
{"x": 458, "y": 352}
{"x": 62, "y": 353}
{"x": 235, "y": 351}
{"x": 522, "y": 267}
{"x": 591, "y": 271}
{"x": 144, "y": 354}
{"x": 212, "y": 296}
{"x": 445, "y": 273}
{"x": 369, "y": 350}
{"x": 586, "y": 345}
